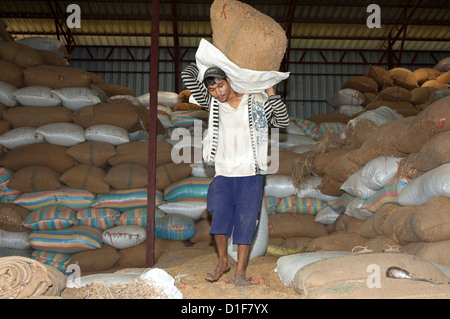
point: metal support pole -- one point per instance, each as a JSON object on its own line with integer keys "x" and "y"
{"x": 150, "y": 244}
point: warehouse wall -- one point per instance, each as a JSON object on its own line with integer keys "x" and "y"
{"x": 315, "y": 74}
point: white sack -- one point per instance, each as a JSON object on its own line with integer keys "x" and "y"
{"x": 309, "y": 190}
{"x": 64, "y": 134}
{"x": 36, "y": 95}
{"x": 354, "y": 210}
{"x": 121, "y": 237}
{"x": 346, "y": 96}
{"x": 20, "y": 136}
{"x": 107, "y": 133}
{"x": 378, "y": 172}
{"x": 191, "y": 209}
{"x": 354, "y": 186}
{"x": 169, "y": 99}
{"x": 242, "y": 80}
{"x": 14, "y": 240}
{"x": 326, "y": 216}
{"x": 7, "y": 97}
{"x": 286, "y": 141}
{"x": 279, "y": 186}
{"x": 75, "y": 98}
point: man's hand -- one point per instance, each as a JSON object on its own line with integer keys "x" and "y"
{"x": 271, "y": 91}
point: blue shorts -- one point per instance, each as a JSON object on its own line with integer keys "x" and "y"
{"x": 235, "y": 206}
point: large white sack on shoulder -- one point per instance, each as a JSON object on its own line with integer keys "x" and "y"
{"x": 202, "y": 170}
{"x": 14, "y": 240}
{"x": 160, "y": 280}
{"x": 107, "y": 279}
{"x": 121, "y": 237}
{"x": 107, "y": 133}
{"x": 64, "y": 134}
{"x": 20, "y": 136}
{"x": 7, "y": 97}
{"x": 299, "y": 149}
{"x": 346, "y": 96}
{"x": 355, "y": 187}
{"x": 75, "y": 98}
{"x": 286, "y": 141}
{"x": 192, "y": 209}
{"x": 434, "y": 183}
{"x": 326, "y": 216}
{"x": 36, "y": 96}
{"x": 354, "y": 210}
{"x": 309, "y": 190}
{"x": 378, "y": 172}
{"x": 287, "y": 266}
{"x": 261, "y": 241}
{"x": 279, "y": 186}
{"x": 242, "y": 80}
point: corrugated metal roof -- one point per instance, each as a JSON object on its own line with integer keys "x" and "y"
{"x": 315, "y": 24}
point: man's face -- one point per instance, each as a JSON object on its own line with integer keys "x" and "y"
{"x": 220, "y": 90}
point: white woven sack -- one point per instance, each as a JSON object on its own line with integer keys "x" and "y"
{"x": 326, "y": 216}
{"x": 299, "y": 149}
{"x": 169, "y": 99}
{"x": 279, "y": 186}
{"x": 107, "y": 133}
{"x": 349, "y": 110}
{"x": 354, "y": 210}
{"x": 14, "y": 240}
{"x": 75, "y": 98}
{"x": 261, "y": 241}
{"x": 36, "y": 95}
{"x": 192, "y": 209}
{"x": 286, "y": 141}
{"x": 7, "y": 97}
{"x": 378, "y": 172}
{"x": 121, "y": 237}
{"x": 64, "y": 134}
{"x": 434, "y": 183}
{"x": 20, "y": 136}
{"x": 346, "y": 97}
{"x": 354, "y": 186}
{"x": 293, "y": 128}
{"x": 309, "y": 190}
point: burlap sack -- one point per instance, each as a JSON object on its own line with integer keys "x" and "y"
{"x": 425, "y": 74}
{"x": 429, "y": 122}
{"x": 127, "y": 176}
{"x": 404, "y": 78}
{"x": 5, "y": 126}
{"x": 34, "y": 179}
{"x": 12, "y": 217}
{"x": 249, "y": 38}
{"x": 372, "y": 227}
{"x": 286, "y": 226}
{"x": 436, "y": 84}
{"x": 32, "y": 116}
{"x": 121, "y": 115}
{"x": 322, "y": 160}
{"x": 362, "y": 83}
{"x": 336, "y": 242}
{"x": 323, "y": 118}
{"x": 88, "y": 177}
{"x": 432, "y": 154}
{"x": 135, "y": 257}
{"x": 56, "y": 77}
{"x": 382, "y": 142}
{"x": 437, "y": 252}
{"x": 444, "y": 78}
{"x": 114, "y": 89}
{"x": 167, "y": 174}
{"x": 395, "y": 93}
{"x": 95, "y": 259}
{"x": 330, "y": 186}
{"x": 284, "y": 164}
{"x": 380, "y": 75}
{"x": 354, "y": 268}
{"x": 50, "y": 58}
{"x": 137, "y": 152}
{"x": 19, "y": 54}
{"x": 202, "y": 229}
{"x": 11, "y": 73}
{"x": 93, "y": 152}
{"x": 347, "y": 223}
{"x": 408, "y": 112}
{"x": 396, "y": 105}
{"x": 49, "y": 155}
{"x": 422, "y": 94}
{"x": 342, "y": 167}
{"x": 394, "y": 224}
{"x": 186, "y": 106}
{"x": 184, "y": 96}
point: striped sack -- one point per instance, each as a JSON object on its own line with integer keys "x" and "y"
{"x": 191, "y": 188}
{"x": 328, "y": 127}
{"x": 294, "y": 205}
{"x": 340, "y": 205}
{"x": 175, "y": 227}
{"x": 50, "y": 218}
{"x": 136, "y": 216}
{"x": 75, "y": 199}
{"x": 386, "y": 195}
{"x": 271, "y": 204}
{"x": 58, "y": 260}
{"x": 69, "y": 240}
{"x": 100, "y": 218}
{"x": 310, "y": 128}
{"x": 124, "y": 199}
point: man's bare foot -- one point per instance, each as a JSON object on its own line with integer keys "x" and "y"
{"x": 241, "y": 281}
{"x": 222, "y": 268}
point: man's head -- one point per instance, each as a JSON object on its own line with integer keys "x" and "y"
{"x": 217, "y": 83}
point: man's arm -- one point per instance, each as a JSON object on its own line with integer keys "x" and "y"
{"x": 198, "y": 91}
{"x": 275, "y": 109}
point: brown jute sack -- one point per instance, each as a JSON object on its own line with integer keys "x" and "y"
{"x": 425, "y": 74}
{"x": 121, "y": 115}
{"x": 356, "y": 267}
{"x": 392, "y": 104}
{"x": 96, "y": 259}
{"x": 322, "y": 160}
{"x": 431, "y": 121}
{"x": 137, "y": 152}
{"x": 372, "y": 227}
{"x": 34, "y": 179}
{"x": 383, "y": 141}
{"x": 114, "y": 89}
{"x": 167, "y": 174}
{"x": 394, "y": 224}
{"x": 5, "y": 126}
{"x": 348, "y": 224}
{"x": 380, "y": 75}
{"x": 437, "y": 251}
{"x": 88, "y": 177}
{"x": 330, "y": 186}
{"x": 433, "y": 153}
{"x": 19, "y": 54}
{"x": 444, "y": 78}
{"x": 49, "y": 155}
{"x": 342, "y": 168}
{"x": 435, "y": 83}
{"x": 50, "y": 58}
{"x": 33, "y": 116}
{"x": 361, "y": 83}
{"x": 422, "y": 94}
{"x": 127, "y": 176}
{"x": 93, "y": 152}
{"x": 404, "y": 78}
{"x": 11, "y": 73}
{"x": 429, "y": 222}
{"x": 249, "y": 38}
{"x": 56, "y": 77}
{"x": 395, "y": 93}
{"x": 12, "y": 216}
{"x": 284, "y": 164}
{"x": 336, "y": 242}
{"x": 300, "y": 225}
